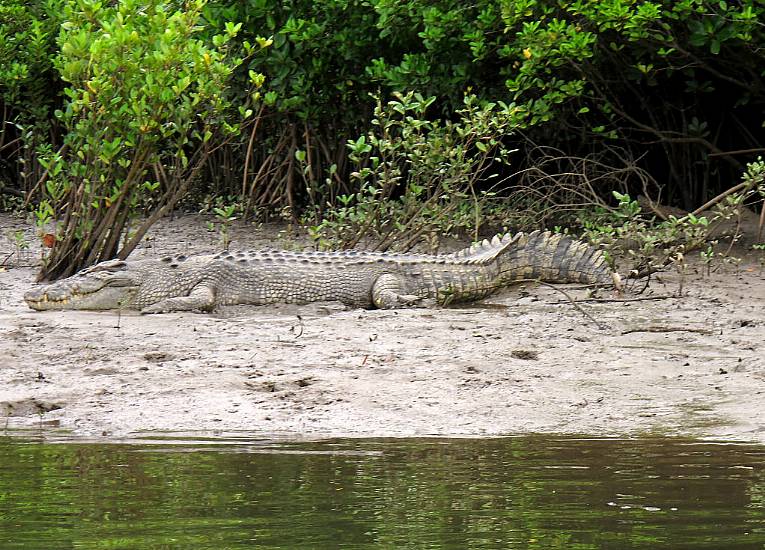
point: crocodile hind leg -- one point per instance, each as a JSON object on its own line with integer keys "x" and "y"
{"x": 386, "y": 293}
{"x": 201, "y": 298}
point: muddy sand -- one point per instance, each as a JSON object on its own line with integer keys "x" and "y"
{"x": 523, "y": 361}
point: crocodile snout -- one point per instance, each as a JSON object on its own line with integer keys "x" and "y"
{"x": 38, "y": 298}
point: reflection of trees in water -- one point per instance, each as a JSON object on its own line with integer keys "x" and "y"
{"x": 504, "y": 492}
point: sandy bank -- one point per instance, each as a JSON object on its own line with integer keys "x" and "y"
{"x": 523, "y": 361}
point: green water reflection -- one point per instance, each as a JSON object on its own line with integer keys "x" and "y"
{"x": 525, "y": 492}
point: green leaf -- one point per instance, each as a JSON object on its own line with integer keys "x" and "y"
{"x": 264, "y": 42}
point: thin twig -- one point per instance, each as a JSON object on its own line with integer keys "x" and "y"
{"x": 576, "y": 305}
{"x": 654, "y": 328}
{"x": 720, "y": 197}
{"x": 8, "y": 257}
{"x": 738, "y": 152}
{"x": 42, "y": 179}
{"x": 639, "y": 299}
{"x": 248, "y": 154}
{"x": 570, "y": 299}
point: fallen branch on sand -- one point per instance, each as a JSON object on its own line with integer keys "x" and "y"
{"x": 570, "y": 299}
{"x": 654, "y": 328}
{"x": 639, "y": 299}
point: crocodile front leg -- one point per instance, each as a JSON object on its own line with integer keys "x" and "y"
{"x": 386, "y": 293}
{"x": 201, "y": 298}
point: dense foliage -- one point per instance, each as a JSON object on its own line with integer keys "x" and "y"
{"x": 671, "y": 89}
{"x": 29, "y": 89}
{"x": 143, "y": 102}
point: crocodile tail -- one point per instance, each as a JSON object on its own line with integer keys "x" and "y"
{"x": 554, "y": 258}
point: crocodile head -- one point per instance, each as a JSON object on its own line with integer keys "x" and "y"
{"x": 108, "y": 285}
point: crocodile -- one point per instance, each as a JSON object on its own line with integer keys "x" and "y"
{"x": 355, "y": 278}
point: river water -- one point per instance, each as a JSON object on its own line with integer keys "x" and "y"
{"x": 240, "y": 491}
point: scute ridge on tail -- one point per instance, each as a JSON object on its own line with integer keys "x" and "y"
{"x": 486, "y": 251}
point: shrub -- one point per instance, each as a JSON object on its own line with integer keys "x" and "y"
{"x": 417, "y": 176}
{"x": 145, "y": 102}
{"x": 29, "y": 88}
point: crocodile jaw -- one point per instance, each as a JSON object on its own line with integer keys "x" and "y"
{"x": 61, "y": 296}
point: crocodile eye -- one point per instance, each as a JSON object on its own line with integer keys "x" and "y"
{"x": 118, "y": 282}
{"x": 108, "y": 266}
